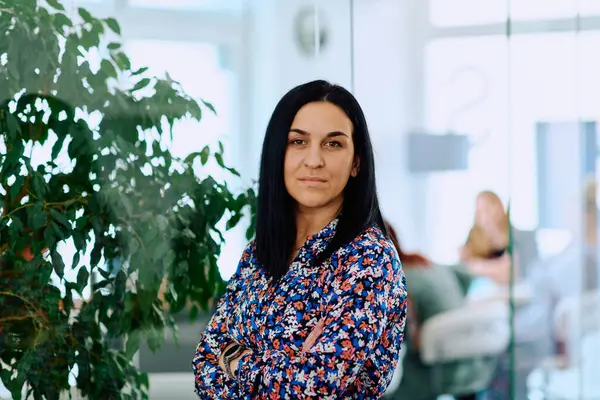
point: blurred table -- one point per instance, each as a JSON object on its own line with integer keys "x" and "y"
{"x": 522, "y": 293}
{"x": 563, "y": 384}
{"x": 580, "y": 381}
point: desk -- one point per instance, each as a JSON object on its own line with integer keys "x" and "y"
{"x": 565, "y": 384}
{"x": 581, "y": 381}
{"x": 522, "y": 294}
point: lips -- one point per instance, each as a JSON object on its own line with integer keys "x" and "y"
{"x": 312, "y": 179}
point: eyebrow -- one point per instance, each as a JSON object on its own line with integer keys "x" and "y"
{"x": 329, "y": 135}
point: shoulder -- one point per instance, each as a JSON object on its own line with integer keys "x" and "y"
{"x": 247, "y": 263}
{"x": 249, "y": 250}
{"x": 369, "y": 266}
{"x": 372, "y": 243}
{"x": 371, "y": 253}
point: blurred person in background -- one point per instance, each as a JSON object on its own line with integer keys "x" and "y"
{"x": 489, "y": 237}
{"x": 539, "y": 340}
{"x": 435, "y": 289}
{"x": 317, "y": 307}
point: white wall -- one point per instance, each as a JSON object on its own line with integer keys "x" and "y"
{"x": 382, "y": 46}
{"x": 277, "y": 64}
{"x": 388, "y": 85}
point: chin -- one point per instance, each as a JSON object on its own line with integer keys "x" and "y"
{"x": 312, "y": 201}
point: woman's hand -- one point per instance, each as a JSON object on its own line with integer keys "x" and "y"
{"x": 313, "y": 336}
{"x": 233, "y": 366}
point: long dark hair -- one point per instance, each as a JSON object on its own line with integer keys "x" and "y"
{"x": 276, "y": 224}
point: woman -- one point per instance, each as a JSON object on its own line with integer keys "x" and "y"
{"x": 489, "y": 239}
{"x": 435, "y": 289}
{"x": 489, "y": 235}
{"x": 317, "y": 306}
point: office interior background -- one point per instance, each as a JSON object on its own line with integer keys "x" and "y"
{"x": 461, "y": 96}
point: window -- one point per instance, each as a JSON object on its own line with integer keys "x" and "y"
{"x": 203, "y": 72}
{"x": 73, "y": 5}
{"x": 589, "y": 7}
{"x": 542, "y": 9}
{"x": 455, "y": 13}
{"x": 588, "y": 67}
{"x": 467, "y": 12}
{"x": 232, "y": 6}
{"x": 479, "y": 83}
{"x": 464, "y": 69}
{"x": 466, "y": 93}
{"x": 198, "y": 67}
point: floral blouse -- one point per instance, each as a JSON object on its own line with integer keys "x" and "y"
{"x": 360, "y": 292}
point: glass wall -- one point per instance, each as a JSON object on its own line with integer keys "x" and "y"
{"x": 518, "y": 79}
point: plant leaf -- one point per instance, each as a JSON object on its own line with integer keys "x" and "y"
{"x": 14, "y": 128}
{"x": 113, "y": 25}
{"x": 133, "y": 344}
{"x": 83, "y": 277}
{"x": 141, "y": 84}
{"x": 60, "y": 218}
{"x": 58, "y": 263}
{"x": 204, "y": 155}
{"x": 61, "y": 20}
{"x": 75, "y": 261}
{"x": 209, "y": 106}
{"x": 108, "y": 68}
{"x": 139, "y": 71}
{"x": 83, "y": 13}
{"x": 55, "y": 4}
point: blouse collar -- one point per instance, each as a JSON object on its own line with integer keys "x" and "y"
{"x": 318, "y": 242}
{"x": 327, "y": 232}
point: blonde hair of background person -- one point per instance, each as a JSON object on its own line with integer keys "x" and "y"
{"x": 489, "y": 235}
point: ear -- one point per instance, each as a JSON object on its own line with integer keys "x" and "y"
{"x": 355, "y": 167}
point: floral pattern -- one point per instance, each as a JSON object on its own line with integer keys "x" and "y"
{"x": 359, "y": 292}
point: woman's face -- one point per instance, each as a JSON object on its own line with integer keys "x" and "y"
{"x": 319, "y": 158}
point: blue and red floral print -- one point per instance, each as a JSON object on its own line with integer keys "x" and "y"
{"x": 360, "y": 293}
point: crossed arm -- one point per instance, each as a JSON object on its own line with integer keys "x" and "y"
{"x": 341, "y": 344}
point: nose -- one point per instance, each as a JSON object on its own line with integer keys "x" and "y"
{"x": 314, "y": 157}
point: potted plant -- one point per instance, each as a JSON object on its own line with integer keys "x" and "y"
{"x": 148, "y": 225}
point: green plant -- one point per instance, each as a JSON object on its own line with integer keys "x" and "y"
{"x": 142, "y": 214}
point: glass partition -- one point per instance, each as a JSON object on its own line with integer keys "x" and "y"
{"x": 501, "y": 100}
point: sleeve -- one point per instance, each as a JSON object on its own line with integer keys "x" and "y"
{"x": 210, "y": 380}
{"x": 355, "y": 321}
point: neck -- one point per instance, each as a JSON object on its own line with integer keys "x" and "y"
{"x": 310, "y": 221}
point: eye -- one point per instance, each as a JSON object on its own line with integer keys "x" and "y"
{"x": 334, "y": 143}
{"x": 297, "y": 142}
